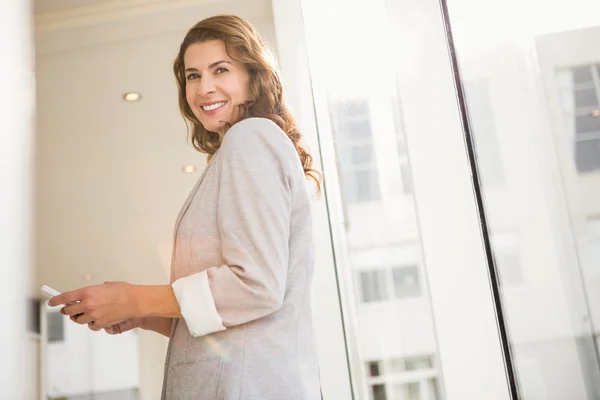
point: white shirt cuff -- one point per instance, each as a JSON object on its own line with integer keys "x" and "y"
{"x": 197, "y": 304}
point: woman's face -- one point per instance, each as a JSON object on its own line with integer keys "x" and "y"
{"x": 215, "y": 83}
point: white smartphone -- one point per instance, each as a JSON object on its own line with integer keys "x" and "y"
{"x": 49, "y": 292}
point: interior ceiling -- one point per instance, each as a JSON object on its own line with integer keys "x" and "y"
{"x": 109, "y": 181}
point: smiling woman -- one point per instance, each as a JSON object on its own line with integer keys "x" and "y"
{"x": 214, "y": 88}
{"x": 238, "y": 306}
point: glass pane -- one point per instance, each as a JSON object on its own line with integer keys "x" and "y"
{"x": 406, "y": 282}
{"x": 56, "y": 327}
{"x": 587, "y": 155}
{"x": 486, "y": 142}
{"x": 545, "y": 120}
{"x": 378, "y": 392}
{"x": 587, "y": 123}
{"x": 407, "y": 391}
{"x": 382, "y": 245}
{"x": 582, "y": 74}
{"x": 362, "y": 154}
{"x": 373, "y": 368}
{"x": 586, "y": 98}
{"x": 374, "y": 286}
{"x": 433, "y": 389}
{"x": 416, "y": 363}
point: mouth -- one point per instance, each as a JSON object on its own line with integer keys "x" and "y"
{"x": 213, "y": 106}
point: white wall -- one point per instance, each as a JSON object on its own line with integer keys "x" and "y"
{"x": 16, "y": 117}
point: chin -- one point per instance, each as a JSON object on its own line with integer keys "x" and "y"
{"x": 213, "y": 127}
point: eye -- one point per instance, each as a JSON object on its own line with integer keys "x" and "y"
{"x": 192, "y": 76}
{"x": 220, "y": 70}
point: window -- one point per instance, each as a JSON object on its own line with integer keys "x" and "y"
{"x": 384, "y": 284}
{"x": 56, "y": 327}
{"x": 379, "y": 392}
{"x": 409, "y": 378}
{"x": 374, "y": 286}
{"x": 408, "y": 391}
{"x": 33, "y": 316}
{"x": 580, "y": 92}
{"x": 373, "y": 368}
{"x": 356, "y": 152}
{"x": 406, "y": 282}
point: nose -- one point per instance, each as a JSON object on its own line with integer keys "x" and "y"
{"x": 206, "y": 86}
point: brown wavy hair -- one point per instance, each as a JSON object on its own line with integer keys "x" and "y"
{"x": 243, "y": 44}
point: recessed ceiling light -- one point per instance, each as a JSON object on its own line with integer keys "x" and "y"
{"x": 189, "y": 169}
{"x": 132, "y": 97}
{"x": 87, "y": 276}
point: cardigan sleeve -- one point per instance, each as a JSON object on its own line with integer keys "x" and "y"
{"x": 258, "y": 167}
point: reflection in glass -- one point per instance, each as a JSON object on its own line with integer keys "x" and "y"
{"x": 405, "y": 379}
{"x": 394, "y": 327}
{"x": 580, "y": 87}
{"x": 538, "y": 92}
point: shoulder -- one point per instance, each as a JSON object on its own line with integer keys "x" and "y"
{"x": 257, "y": 136}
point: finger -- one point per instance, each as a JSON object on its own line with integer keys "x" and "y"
{"x": 73, "y": 309}
{"x": 114, "y": 329}
{"x": 95, "y": 326}
{"x": 67, "y": 297}
{"x": 82, "y": 318}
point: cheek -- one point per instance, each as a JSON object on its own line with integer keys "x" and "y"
{"x": 190, "y": 96}
{"x": 244, "y": 89}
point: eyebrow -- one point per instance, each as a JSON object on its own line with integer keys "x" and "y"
{"x": 210, "y": 66}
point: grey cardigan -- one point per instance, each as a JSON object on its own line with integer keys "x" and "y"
{"x": 242, "y": 265}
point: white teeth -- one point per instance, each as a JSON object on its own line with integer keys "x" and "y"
{"x": 213, "y": 106}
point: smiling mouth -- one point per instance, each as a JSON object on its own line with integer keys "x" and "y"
{"x": 214, "y": 106}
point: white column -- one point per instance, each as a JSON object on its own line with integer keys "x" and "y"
{"x": 16, "y": 121}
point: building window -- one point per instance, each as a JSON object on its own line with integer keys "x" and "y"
{"x": 406, "y": 282}
{"x": 581, "y": 93}
{"x": 384, "y": 284}
{"x": 373, "y": 368}
{"x": 356, "y": 152}
{"x": 33, "y": 316}
{"x": 410, "y": 378}
{"x": 374, "y": 286}
{"x": 379, "y": 392}
{"x": 56, "y": 327}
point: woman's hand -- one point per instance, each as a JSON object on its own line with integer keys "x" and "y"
{"x": 99, "y": 306}
{"x": 124, "y": 326}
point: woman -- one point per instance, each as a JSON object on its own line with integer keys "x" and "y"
{"x": 238, "y": 309}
